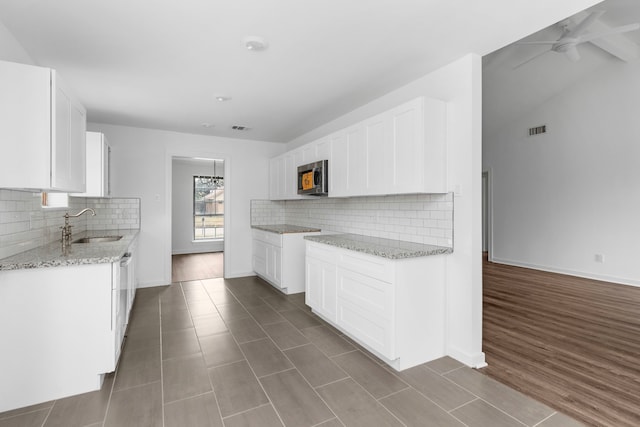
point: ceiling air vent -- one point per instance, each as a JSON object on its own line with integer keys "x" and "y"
{"x": 537, "y": 130}
{"x": 238, "y": 127}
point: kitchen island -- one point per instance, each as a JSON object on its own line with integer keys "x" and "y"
{"x": 387, "y": 295}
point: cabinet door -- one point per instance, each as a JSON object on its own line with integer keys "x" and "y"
{"x": 25, "y": 127}
{"x": 67, "y": 140}
{"x": 309, "y": 152}
{"x": 323, "y": 149}
{"x": 260, "y": 257}
{"x": 408, "y": 147}
{"x": 380, "y": 155}
{"x": 356, "y": 160}
{"x": 77, "y": 147}
{"x": 347, "y": 166}
{"x": 290, "y": 177}
{"x": 338, "y": 165}
{"x": 274, "y": 265}
{"x": 97, "y": 166}
{"x": 321, "y": 287}
{"x": 60, "y": 143}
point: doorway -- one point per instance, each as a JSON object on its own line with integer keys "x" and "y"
{"x": 486, "y": 212}
{"x": 197, "y": 218}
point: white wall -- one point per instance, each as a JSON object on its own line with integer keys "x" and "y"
{"x": 460, "y": 85}
{"x": 182, "y": 206}
{"x": 562, "y": 197}
{"x": 11, "y": 49}
{"x": 142, "y": 168}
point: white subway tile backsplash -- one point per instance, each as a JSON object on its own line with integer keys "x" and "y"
{"x": 25, "y": 225}
{"x": 421, "y": 218}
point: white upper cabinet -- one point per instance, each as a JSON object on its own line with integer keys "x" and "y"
{"x": 418, "y": 139}
{"x": 348, "y": 162}
{"x": 98, "y": 165}
{"x": 42, "y": 131}
{"x": 399, "y": 151}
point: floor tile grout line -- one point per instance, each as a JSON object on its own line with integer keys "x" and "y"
{"x": 49, "y": 414}
{"x": 251, "y": 367}
{"x": 292, "y": 364}
{"x": 491, "y": 404}
{"x": 246, "y": 410}
{"x": 161, "y": 363}
{"x": 540, "y": 422}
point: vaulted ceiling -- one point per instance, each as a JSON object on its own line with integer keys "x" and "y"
{"x": 511, "y": 88}
{"x": 161, "y": 63}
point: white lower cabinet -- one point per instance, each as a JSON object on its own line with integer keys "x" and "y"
{"x": 61, "y": 329}
{"x": 320, "y": 277}
{"x": 393, "y": 308}
{"x": 279, "y": 259}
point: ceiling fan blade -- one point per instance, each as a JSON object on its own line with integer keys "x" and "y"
{"x": 540, "y": 42}
{"x": 585, "y": 24}
{"x": 616, "y": 30}
{"x": 537, "y": 55}
{"x": 572, "y": 53}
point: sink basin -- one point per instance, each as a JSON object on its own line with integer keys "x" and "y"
{"x": 101, "y": 239}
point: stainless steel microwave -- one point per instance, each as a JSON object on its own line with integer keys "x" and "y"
{"x": 313, "y": 178}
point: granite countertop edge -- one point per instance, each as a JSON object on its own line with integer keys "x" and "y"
{"x": 52, "y": 254}
{"x": 285, "y": 228}
{"x": 385, "y": 248}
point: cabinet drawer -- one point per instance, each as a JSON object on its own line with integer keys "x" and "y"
{"x": 370, "y": 329}
{"x": 321, "y": 252}
{"x": 368, "y": 265}
{"x": 372, "y": 295}
{"x": 267, "y": 237}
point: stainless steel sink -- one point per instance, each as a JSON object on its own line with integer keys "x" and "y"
{"x": 100, "y": 239}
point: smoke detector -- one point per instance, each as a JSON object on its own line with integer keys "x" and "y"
{"x": 255, "y": 44}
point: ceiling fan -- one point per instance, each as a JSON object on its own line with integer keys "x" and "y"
{"x": 572, "y": 37}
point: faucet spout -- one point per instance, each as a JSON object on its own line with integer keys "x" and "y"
{"x": 66, "y": 230}
{"x": 93, "y": 213}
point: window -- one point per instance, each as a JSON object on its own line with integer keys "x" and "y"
{"x": 208, "y": 207}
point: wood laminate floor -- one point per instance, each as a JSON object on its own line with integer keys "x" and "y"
{"x": 187, "y": 267}
{"x": 571, "y": 343}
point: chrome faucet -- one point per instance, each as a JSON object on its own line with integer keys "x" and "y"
{"x": 66, "y": 230}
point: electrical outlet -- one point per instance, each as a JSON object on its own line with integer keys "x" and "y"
{"x": 599, "y": 258}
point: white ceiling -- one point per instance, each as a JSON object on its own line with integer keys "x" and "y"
{"x": 509, "y": 93}
{"x": 160, "y": 63}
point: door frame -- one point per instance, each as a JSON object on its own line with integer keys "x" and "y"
{"x": 487, "y": 212}
{"x": 169, "y": 157}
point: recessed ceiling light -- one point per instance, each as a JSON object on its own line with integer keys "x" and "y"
{"x": 207, "y": 125}
{"x": 255, "y": 43}
{"x": 222, "y": 98}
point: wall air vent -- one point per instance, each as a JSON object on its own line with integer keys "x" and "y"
{"x": 238, "y": 127}
{"x": 537, "y": 130}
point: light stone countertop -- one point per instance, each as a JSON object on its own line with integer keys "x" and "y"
{"x": 385, "y": 248}
{"x": 52, "y": 254}
{"x": 285, "y": 228}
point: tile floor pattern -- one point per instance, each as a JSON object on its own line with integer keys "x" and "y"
{"x": 236, "y": 353}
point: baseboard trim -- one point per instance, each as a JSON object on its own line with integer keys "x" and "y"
{"x": 568, "y": 272}
{"x": 473, "y": 360}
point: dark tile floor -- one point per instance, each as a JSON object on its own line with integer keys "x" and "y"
{"x": 236, "y": 352}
